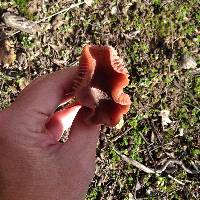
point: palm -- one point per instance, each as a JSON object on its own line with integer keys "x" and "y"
{"x": 36, "y": 165}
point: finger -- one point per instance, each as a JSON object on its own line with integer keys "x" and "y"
{"x": 44, "y": 94}
{"x": 80, "y": 149}
{"x": 61, "y": 121}
{"x": 83, "y": 138}
{"x": 66, "y": 99}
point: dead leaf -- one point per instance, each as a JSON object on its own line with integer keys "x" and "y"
{"x": 181, "y": 132}
{"x": 114, "y": 10}
{"x": 34, "y": 6}
{"x": 130, "y": 196}
{"x": 20, "y": 23}
{"x": 23, "y": 82}
{"x": 165, "y": 118}
{"x": 120, "y": 124}
{"x": 153, "y": 137}
{"x": 188, "y": 62}
{"x": 7, "y": 53}
{"x": 59, "y": 62}
{"x": 138, "y": 186}
{"x": 57, "y": 22}
{"x": 88, "y": 2}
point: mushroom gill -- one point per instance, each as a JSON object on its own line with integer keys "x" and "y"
{"x": 99, "y": 85}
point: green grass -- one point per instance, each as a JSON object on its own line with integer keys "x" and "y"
{"x": 197, "y": 87}
{"x": 26, "y": 40}
{"x": 151, "y": 38}
{"x": 94, "y": 193}
{"x": 22, "y": 4}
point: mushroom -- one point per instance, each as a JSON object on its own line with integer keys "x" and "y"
{"x": 99, "y": 85}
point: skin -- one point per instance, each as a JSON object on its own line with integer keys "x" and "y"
{"x": 33, "y": 164}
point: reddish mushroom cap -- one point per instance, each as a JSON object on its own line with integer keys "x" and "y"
{"x": 99, "y": 86}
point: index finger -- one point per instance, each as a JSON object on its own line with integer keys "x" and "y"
{"x": 45, "y": 94}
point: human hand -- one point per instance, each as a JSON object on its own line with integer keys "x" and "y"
{"x": 33, "y": 164}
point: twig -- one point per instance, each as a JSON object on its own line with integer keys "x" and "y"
{"x": 156, "y": 171}
{"x": 181, "y": 87}
{"x": 123, "y": 134}
{"x": 42, "y": 5}
{"x": 156, "y": 147}
{"x": 2, "y": 84}
{"x": 195, "y": 167}
{"x": 176, "y": 180}
{"x": 60, "y": 12}
{"x": 142, "y": 136}
{"x": 174, "y": 161}
{"x": 47, "y": 18}
{"x": 135, "y": 189}
{"x": 189, "y": 104}
{"x": 134, "y": 163}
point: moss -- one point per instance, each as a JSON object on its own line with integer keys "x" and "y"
{"x": 22, "y": 6}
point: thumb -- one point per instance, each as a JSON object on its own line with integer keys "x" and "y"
{"x": 38, "y": 101}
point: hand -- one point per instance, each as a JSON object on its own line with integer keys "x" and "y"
{"x": 33, "y": 164}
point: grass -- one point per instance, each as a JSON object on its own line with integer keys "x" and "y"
{"x": 22, "y": 5}
{"x": 151, "y": 38}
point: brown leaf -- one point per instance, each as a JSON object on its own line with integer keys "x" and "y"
{"x": 88, "y": 2}
{"x": 57, "y": 22}
{"x": 23, "y": 82}
{"x": 34, "y": 6}
{"x": 7, "y": 53}
{"x": 188, "y": 62}
{"x": 20, "y": 23}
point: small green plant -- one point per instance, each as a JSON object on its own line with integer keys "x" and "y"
{"x": 27, "y": 41}
{"x": 182, "y": 13}
{"x": 136, "y": 137}
{"x": 164, "y": 27}
{"x": 197, "y": 87}
{"x": 183, "y": 117}
{"x": 94, "y": 193}
{"x": 114, "y": 156}
{"x": 157, "y": 2}
{"x": 22, "y": 5}
{"x": 195, "y": 152}
{"x": 161, "y": 182}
